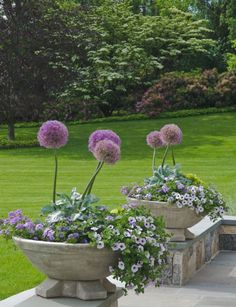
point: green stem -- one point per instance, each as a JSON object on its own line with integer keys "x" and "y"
{"x": 98, "y": 168}
{"x": 165, "y": 154}
{"x": 55, "y": 178}
{"x": 154, "y": 160}
{"x": 91, "y": 181}
{"x": 173, "y": 156}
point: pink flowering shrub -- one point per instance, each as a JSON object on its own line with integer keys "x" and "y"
{"x": 176, "y": 91}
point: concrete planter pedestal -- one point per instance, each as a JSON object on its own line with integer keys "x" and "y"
{"x": 177, "y": 220}
{"x": 73, "y": 270}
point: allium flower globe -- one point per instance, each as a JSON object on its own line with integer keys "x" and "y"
{"x": 107, "y": 151}
{"x": 53, "y": 134}
{"x": 100, "y": 135}
{"x": 154, "y": 139}
{"x": 171, "y": 134}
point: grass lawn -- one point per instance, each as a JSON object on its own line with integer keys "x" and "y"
{"x": 208, "y": 149}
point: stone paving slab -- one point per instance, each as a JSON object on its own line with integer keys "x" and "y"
{"x": 214, "y": 285}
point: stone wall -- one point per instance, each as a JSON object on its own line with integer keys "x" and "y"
{"x": 227, "y": 237}
{"x": 186, "y": 258}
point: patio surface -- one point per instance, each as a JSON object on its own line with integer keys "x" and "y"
{"x": 214, "y": 285}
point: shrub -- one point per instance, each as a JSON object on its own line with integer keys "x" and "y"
{"x": 176, "y": 91}
{"x": 226, "y": 88}
{"x": 71, "y": 110}
{"x": 7, "y": 144}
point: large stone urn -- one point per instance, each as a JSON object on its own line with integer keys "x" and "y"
{"x": 177, "y": 220}
{"x": 73, "y": 270}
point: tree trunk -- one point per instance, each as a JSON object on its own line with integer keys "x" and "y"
{"x": 11, "y": 131}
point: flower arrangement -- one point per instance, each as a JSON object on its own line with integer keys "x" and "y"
{"x": 170, "y": 185}
{"x": 131, "y": 232}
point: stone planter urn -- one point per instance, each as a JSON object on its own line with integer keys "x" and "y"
{"x": 73, "y": 270}
{"x": 177, "y": 220}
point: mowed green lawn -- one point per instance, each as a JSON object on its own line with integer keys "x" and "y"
{"x": 208, "y": 150}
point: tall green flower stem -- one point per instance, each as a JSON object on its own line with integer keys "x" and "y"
{"x": 89, "y": 186}
{"x": 165, "y": 154}
{"x": 55, "y": 177}
{"x": 173, "y": 157}
{"x": 154, "y": 160}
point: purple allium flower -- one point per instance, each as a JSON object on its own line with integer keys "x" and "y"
{"x": 100, "y": 135}
{"x": 107, "y": 151}
{"x": 48, "y": 234}
{"x": 154, "y": 139}
{"x": 53, "y": 134}
{"x": 171, "y": 134}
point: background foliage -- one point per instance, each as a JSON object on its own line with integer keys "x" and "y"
{"x": 85, "y": 59}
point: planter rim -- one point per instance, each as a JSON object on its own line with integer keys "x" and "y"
{"x": 151, "y": 201}
{"x": 52, "y": 243}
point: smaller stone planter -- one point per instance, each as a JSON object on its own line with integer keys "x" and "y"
{"x": 73, "y": 270}
{"x": 177, "y": 220}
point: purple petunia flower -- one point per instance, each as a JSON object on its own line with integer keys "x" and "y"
{"x": 171, "y": 134}
{"x": 154, "y": 139}
{"x": 164, "y": 188}
{"x": 124, "y": 190}
{"x": 127, "y": 234}
{"x": 53, "y": 134}
{"x": 122, "y": 246}
{"x": 74, "y": 235}
{"x": 100, "y": 135}
{"x": 121, "y": 265}
{"x": 107, "y": 151}
{"x": 48, "y": 234}
{"x": 20, "y": 226}
{"x": 134, "y": 268}
{"x": 180, "y": 186}
{"x": 29, "y": 226}
{"x": 142, "y": 241}
{"x": 116, "y": 247}
{"x": 100, "y": 245}
{"x": 39, "y": 227}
